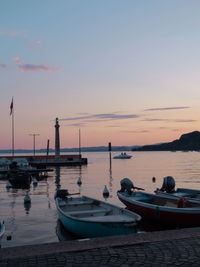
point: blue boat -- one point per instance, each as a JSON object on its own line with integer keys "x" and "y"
{"x": 88, "y": 217}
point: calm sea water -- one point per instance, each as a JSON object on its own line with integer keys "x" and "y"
{"x": 38, "y": 223}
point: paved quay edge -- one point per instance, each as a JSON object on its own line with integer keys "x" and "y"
{"x": 95, "y": 243}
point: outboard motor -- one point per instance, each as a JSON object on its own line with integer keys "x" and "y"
{"x": 126, "y": 185}
{"x": 61, "y": 193}
{"x": 168, "y": 184}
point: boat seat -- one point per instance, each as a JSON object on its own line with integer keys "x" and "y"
{"x": 83, "y": 212}
{"x": 64, "y": 203}
{"x": 143, "y": 199}
{"x": 110, "y": 218}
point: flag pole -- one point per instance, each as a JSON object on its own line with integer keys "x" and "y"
{"x": 13, "y": 140}
{"x": 12, "y": 113}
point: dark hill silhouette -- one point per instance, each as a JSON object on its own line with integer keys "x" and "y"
{"x": 189, "y": 141}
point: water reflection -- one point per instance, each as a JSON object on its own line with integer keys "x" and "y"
{"x": 101, "y": 170}
{"x": 27, "y": 207}
{"x": 57, "y": 181}
{"x": 110, "y": 176}
{"x": 62, "y": 233}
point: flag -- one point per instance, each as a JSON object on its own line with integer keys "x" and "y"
{"x": 11, "y": 107}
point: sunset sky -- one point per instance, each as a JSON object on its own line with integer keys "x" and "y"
{"x": 123, "y": 71}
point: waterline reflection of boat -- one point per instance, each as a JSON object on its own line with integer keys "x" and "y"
{"x": 123, "y": 155}
{"x": 88, "y": 217}
{"x": 162, "y": 209}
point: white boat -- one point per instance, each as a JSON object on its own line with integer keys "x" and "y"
{"x": 2, "y": 230}
{"x": 123, "y": 155}
{"x": 88, "y": 217}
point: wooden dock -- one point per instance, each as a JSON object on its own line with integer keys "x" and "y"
{"x": 41, "y": 161}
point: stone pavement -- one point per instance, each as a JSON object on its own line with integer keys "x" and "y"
{"x": 164, "y": 248}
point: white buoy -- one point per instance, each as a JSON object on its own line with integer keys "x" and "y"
{"x": 79, "y": 182}
{"x": 27, "y": 198}
{"x": 105, "y": 192}
{"x": 8, "y": 185}
{"x": 35, "y": 181}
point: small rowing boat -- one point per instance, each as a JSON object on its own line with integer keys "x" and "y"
{"x": 88, "y": 217}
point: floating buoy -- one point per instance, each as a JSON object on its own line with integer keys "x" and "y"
{"x": 79, "y": 182}
{"x": 27, "y": 206}
{"x": 27, "y": 198}
{"x": 35, "y": 181}
{"x": 8, "y": 185}
{"x": 153, "y": 179}
{"x": 105, "y": 192}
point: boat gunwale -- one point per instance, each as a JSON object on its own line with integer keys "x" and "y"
{"x": 3, "y": 228}
{"x": 177, "y": 197}
{"x": 136, "y": 217}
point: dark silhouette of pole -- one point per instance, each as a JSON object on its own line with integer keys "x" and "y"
{"x": 13, "y": 138}
{"x": 57, "y": 140}
{"x": 34, "y": 135}
{"x": 79, "y": 142}
{"x": 110, "y": 149}
{"x": 12, "y": 113}
{"x": 47, "y": 148}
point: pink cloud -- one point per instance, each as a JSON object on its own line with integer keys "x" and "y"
{"x": 35, "y": 44}
{"x": 2, "y": 66}
{"x": 35, "y": 68}
{"x": 16, "y": 59}
{"x": 11, "y": 33}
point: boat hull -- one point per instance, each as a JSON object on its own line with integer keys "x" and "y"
{"x": 20, "y": 179}
{"x": 87, "y": 217}
{"x": 181, "y": 217}
{"x": 91, "y": 229}
{"x": 2, "y": 230}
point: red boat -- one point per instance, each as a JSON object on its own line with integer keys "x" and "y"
{"x": 181, "y": 212}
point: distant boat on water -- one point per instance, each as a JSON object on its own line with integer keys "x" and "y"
{"x": 123, "y": 155}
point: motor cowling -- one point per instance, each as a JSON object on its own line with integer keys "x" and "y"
{"x": 126, "y": 185}
{"x": 61, "y": 193}
{"x": 168, "y": 184}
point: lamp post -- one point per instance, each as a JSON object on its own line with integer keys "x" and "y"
{"x": 34, "y": 135}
